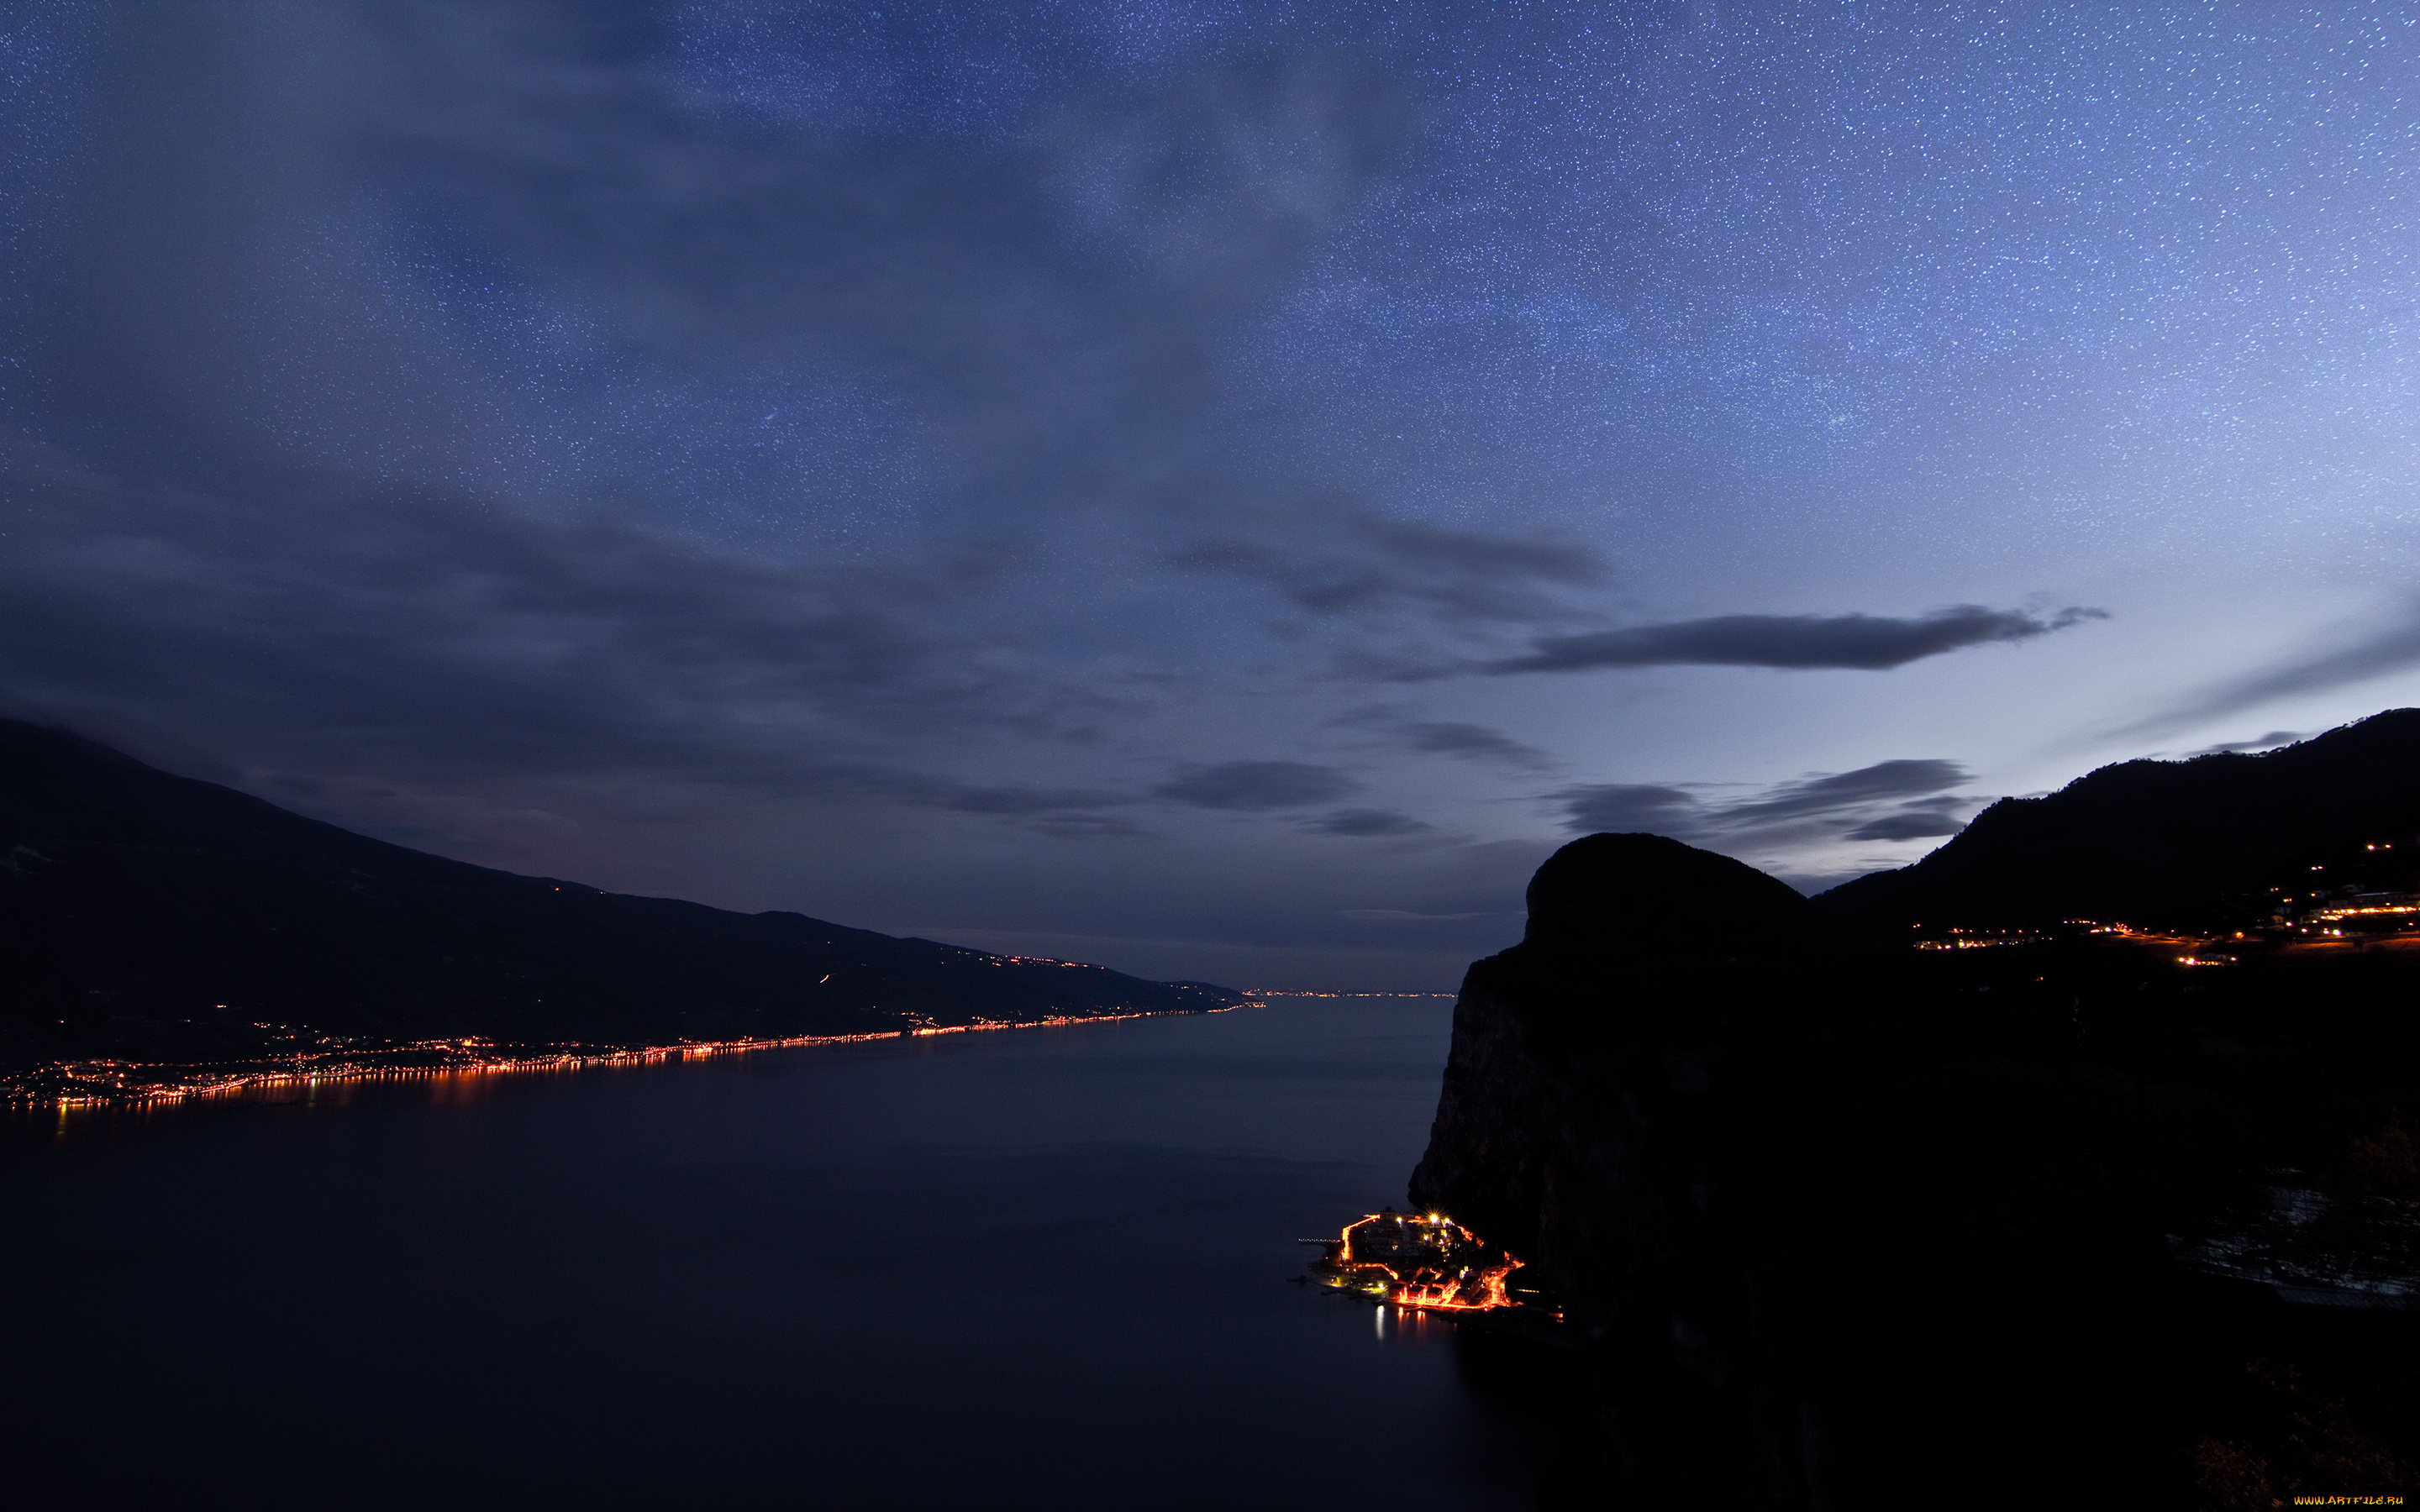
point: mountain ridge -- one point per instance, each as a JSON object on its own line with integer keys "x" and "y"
{"x": 162, "y": 917}
{"x": 2160, "y": 841}
{"x": 1834, "y": 1212}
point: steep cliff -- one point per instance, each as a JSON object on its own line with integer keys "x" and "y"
{"x": 1583, "y": 1124}
{"x": 1838, "y": 1223}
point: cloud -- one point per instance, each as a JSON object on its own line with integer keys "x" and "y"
{"x": 1848, "y": 790}
{"x": 1366, "y": 821}
{"x": 1367, "y": 566}
{"x": 1451, "y": 737}
{"x": 2377, "y": 651}
{"x": 1914, "y": 821}
{"x": 1903, "y": 799}
{"x": 2271, "y": 741}
{"x": 1630, "y": 808}
{"x": 996, "y": 800}
{"x": 1095, "y": 248}
{"x": 1255, "y": 785}
{"x": 1472, "y": 555}
{"x": 1084, "y": 826}
{"x": 417, "y": 633}
{"x": 530, "y": 247}
{"x": 1792, "y": 641}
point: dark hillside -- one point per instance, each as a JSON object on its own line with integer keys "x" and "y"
{"x": 150, "y": 917}
{"x": 1830, "y": 1219}
{"x": 2151, "y": 841}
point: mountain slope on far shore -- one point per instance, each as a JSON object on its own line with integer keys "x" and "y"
{"x": 147, "y": 916}
{"x": 2148, "y": 842}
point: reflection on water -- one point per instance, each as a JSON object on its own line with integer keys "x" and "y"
{"x": 1042, "y": 1268}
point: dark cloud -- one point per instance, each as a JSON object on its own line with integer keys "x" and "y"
{"x": 1914, "y": 821}
{"x": 1366, "y": 821}
{"x": 1255, "y": 785}
{"x": 1626, "y": 807}
{"x": 411, "y": 631}
{"x": 1911, "y": 824}
{"x": 1847, "y": 790}
{"x": 1845, "y": 804}
{"x": 1795, "y": 641}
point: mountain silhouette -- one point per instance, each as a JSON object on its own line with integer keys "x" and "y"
{"x": 150, "y": 917}
{"x": 2169, "y": 840}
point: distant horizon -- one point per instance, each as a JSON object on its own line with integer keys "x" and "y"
{"x": 966, "y": 939}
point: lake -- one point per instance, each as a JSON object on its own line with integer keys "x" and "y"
{"x": 1036, "y": 1268}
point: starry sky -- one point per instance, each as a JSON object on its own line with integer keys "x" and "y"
{"x": 1219, "y": 491}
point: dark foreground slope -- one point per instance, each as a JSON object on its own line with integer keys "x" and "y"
{"x": 156, "y": 918}
{"x": 2151, "y": 841}
{"x": 1855, "y": 1225}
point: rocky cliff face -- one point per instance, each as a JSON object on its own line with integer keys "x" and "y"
{"x": 1587, "y": 1123}
{"x": 1838, "y": 1223}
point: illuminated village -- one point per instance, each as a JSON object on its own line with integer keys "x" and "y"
{"x": 2317, "y": 922}
{"x": 2313, "y": 918}
{"x": 1426, "y": 1261}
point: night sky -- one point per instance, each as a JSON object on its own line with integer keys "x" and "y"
{"x": 1217, "y": 490}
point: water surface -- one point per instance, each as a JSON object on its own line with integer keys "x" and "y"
{"x": 1042, "y": 1268}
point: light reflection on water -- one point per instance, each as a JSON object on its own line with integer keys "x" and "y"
{"x": 1035, "y": 1269}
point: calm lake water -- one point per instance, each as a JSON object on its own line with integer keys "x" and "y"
{"x": 1043, "y": 1268}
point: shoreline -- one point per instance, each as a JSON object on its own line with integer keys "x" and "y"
{"x": 86, "y": 1085}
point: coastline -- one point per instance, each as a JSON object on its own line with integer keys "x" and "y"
{"x": 67, "y": 1086}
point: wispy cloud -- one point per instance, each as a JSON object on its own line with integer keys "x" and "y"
{"x": 1366, "y": 565}
{"x": 1449, "y": 737}
{"x": 1882, "y": 781}
{"x": 436, "y": 631}
{"x": 1476, "y": 742}
{"x": 1367, "y": 822}
{"x": 1904, "y": 799}
{"x": 1255, "y": 786}
{"x": 2271, "y": 741}
{"x": 2367, "y": 651}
